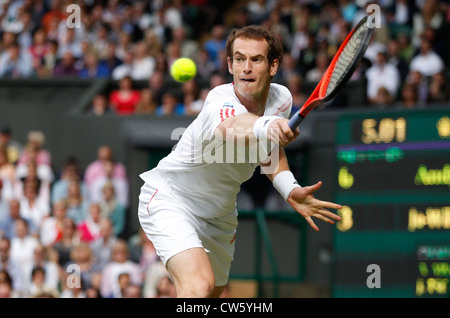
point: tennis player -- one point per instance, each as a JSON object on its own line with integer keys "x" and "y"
{"x": 187, "y": 205}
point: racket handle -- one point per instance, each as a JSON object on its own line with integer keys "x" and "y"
{"x": 295, "y": 121}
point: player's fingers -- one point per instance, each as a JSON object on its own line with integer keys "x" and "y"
{"x": 322, "y": 217}
{"x": 312, "y": 188}
{"x": 311, "y": 223}
{"x": 330, "y": 205}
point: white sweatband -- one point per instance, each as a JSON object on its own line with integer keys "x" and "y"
{"x": 261, "y": 126}
{"x": 285, "y": 182}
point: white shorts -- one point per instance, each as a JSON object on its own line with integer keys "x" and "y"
{"x": 172, "y": 228}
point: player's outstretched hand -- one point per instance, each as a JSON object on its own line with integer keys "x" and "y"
{"x": 304, "y": 202}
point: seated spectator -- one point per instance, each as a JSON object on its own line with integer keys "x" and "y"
{"x": 119, "y": 264}
{"x": 92, "y": 68}
{"x": 34, "y": 150}
{"x": 111, "y": 208}
{"x": 42, "y": 259}
{"x": 52, "y": 228}
{"x": 7, "y": 227}
{"x": 70, "y": 238}
{"x": 383, "y": 99}
{"x": 125, "y": 99}
{"x": 32, "y": 206}
{"x": 7, "y": 169}
{"x": 103, "y": 245}
{"x": 38, "y": 285}
{"x": 96, "y": 169}
{"x": 143, "y": 62}
{"x": 89, "y": 228}
{"x": 42, "y": 174}
{"x": 13, "y": 147}
{"x": 170, "y": 105}
{"x": 6, "y": 285}
{"x": 439, "y": 90}
{"x": 100, "y": 106}
{"x": 147, "y": 104}
{"x": 70, "y": 171}
{"x": 121, "y": 186}
{"x": 408, "y": 96}
{"x": 11, "y": 266}
{"x": 23, "y": 245}
{"x": 427, "y": 62}
{"x": 125, "y": 68}
{"x": 65, "y": 67}
{"x": 82, "y": 256}
{"x": 377, "y": 74}
{"x": 15, "y": 62}
{"x": 77, "y": 204}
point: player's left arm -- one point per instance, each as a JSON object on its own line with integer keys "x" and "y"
{"x": 300, "y": 198}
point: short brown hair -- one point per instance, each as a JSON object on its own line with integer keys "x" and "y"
{"x": 256, "y": 32}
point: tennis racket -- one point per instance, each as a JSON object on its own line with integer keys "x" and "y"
{"x": 341, "y": 68}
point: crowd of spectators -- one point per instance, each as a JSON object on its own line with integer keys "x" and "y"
{"x": 129, "y": 41}
{"x": 60, "y": 234}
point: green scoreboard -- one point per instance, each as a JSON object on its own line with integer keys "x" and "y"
{"x": 392, "y": 177}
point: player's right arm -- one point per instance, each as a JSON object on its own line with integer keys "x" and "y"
{"x": 249, "y": 127}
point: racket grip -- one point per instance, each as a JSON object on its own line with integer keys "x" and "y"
{"x": 295, "y": 121}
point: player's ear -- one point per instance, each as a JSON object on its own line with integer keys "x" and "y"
{"x": 230, "y": 63}
{"x": 274, "y": 67}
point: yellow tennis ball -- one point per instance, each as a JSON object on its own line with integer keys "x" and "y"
{"x": 183, "y": 69}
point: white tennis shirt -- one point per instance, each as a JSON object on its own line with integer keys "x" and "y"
{"x": 204, "y": 173}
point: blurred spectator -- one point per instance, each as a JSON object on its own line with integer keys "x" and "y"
{"x": 383, "y": 98}
{"x": 195, "y": 106}
{"x": 65, "y": 67}
{"x": 32, "y": 206}
{"x": 156, "y": 84}
{"x": 409, "y": 96}
{"x": 77, "y": 203}
{"x": 439, "y": 90}
{"x": 15, "y": 62}
{"x": 6, "y": 285}
{"x": 121, "y": 187}
{"x": 39, "y": 286}
{"x": 294, "y": 83}
{"x": 421, "y": 85}
{"x": 7, "y": 169}
{"x": 377, "y": 74}
{"x": 119, "y": 264}
{"x": 142, "y": 250}
{"x": 103, "y": 245}
{"x": 70, "y": 238}
{"x": 70, "y": 43}
{"x": 70, "y": 171}
{"x": 82, "y": 256}
{"x": 111, "y": 208}
{"x": 321, "y": 64}
{"x": 170, "y": 105}
{"x": 13, "y": 147}
{"x": 89, "y": 227}
{"x": 42, "y": 259}
{"x": 13, "y": 267}
{"x": 429, "y": 14}
{"x": 95, "y": 169}
{"x": 147, "y": 103}
{"x": 92, "y": 68}
{"x": 12, "y": 210}
{"x": 100, "y": 106}
{"x": 143, "y": 63}
{"x": 40, "y": 47}
{"x": 23, "y": 245}
{"x": 396, "y": 59}
{"x": 216, "y": 43}
{"x": 427, "y": 62}
{"x": 125, "y": 68}
{"x": 188, "y": 47}
{"x": 124, "y": 99}
{"x": 52, "y": 227}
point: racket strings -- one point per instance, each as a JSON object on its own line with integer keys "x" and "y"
{"x": 347, "y": 57}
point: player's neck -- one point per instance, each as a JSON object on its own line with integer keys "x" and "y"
{"x": 254, "y": 104}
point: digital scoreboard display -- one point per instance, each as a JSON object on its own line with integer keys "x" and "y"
{"x": 393, "y": 180}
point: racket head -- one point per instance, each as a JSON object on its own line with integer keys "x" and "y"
{"x": 341, "y": 68}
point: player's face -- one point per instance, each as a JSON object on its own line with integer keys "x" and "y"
{"x": 250, "y": 67}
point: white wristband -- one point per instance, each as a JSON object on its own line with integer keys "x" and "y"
{"x": 261, "y": 126}
{"x": 285, "y": 182}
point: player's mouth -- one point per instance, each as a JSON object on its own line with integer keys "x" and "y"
{"x": 248, "y": 80}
